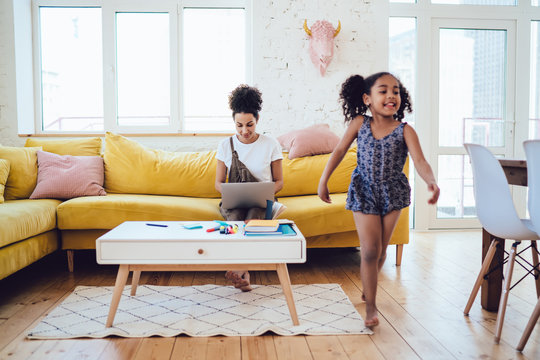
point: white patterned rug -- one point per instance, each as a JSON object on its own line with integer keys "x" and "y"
{"x": 206, "y": 310}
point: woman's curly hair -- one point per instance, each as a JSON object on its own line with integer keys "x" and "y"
{"x": 352, "y": 96}
{"x": 246, "y": 99}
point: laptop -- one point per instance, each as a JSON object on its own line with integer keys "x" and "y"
{"x": 246, "y": 194}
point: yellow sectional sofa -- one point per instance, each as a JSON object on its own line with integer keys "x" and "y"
{"x": 149, "y": 184}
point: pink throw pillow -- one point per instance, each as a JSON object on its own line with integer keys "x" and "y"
{"x": 65, "y": 176}
{"x": 314, "y": 140}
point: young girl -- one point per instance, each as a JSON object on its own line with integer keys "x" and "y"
{"x": 247, "y": 157}
{"x": 379, "y": 189}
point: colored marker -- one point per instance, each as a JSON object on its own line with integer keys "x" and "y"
{"x": 159, "y": 225}
{"x": 213, "y": 229}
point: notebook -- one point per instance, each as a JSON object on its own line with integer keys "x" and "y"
{"x": 256, "y": 225}
{"x": 283, "y": 230}
{"x": 247, "y": 194}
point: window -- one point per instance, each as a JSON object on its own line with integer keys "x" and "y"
{"x": 139, "y": 67}
{"x": 143, "y": 69}
{"x": 213, "y": 70}
{"x": 477, "y": 81}
{"x": 402, "y": 63}
{"x": 71, "y": 71}
{"x": 534, "y": 103}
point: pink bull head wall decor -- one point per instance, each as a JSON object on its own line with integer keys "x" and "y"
{"x": 321, "y": 43}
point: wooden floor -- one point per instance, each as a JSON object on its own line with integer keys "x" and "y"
{"x": 420, "y": 303}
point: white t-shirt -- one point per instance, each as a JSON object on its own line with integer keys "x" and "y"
{"x": 257, "y": 156}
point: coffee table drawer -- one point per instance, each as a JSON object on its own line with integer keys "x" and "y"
{"x": 194, "y": 252}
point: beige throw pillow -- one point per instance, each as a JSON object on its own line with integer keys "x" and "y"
{"x": 65, "y": 176}
{"x": 314, "y": 140}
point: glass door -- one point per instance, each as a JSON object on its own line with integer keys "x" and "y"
{"x": 472, "y": 102}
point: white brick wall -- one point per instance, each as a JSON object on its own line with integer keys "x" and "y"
{"x": 294, "y": 93}
{"x": 8, "y": 125}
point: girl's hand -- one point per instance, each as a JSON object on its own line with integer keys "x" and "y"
{"x": 324, "y": 194}
{"x": 436, "y": 192}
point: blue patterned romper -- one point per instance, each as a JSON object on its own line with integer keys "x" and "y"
{"x": 378, "y": 184}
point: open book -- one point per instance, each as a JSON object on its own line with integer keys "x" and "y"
{"x": 274, "y": 209}
{"x": 277, "y": 209}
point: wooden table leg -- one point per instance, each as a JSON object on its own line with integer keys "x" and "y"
{"x": 492, "y": 287}
{"x": 121, "y": 278}
{"x": 135, "y": 281}
{"x": 285, "y": 281}
{"x": 536, "y": 272}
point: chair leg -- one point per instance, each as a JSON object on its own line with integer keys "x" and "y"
{"x": 505, "y": 291}
{"x": 536, "y": 273}
{"x": 480, "y": 278}
{"x": 399, "y": 254}
{"x": 70, "y": 254}
{"x": 530, "y": 326}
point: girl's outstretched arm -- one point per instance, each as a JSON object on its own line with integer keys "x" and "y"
{"x": 420, "y": 162}
{"x": 337, "y": 155}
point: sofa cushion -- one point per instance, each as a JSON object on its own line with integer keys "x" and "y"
{"x": 75, "y": 147}
{"x": 313, "y": 140}
{"x": 301, "y": 175}
{"x": 66, "y": 176}
{"x": 23, "y": 171}
{"x": 315, "y": 217}
{"x": 4, "y": 172}
{"x": 23, "y": 253}
{"x": 131, "y": 168}
{"x": 21, "y": 219}
{"x": 106, "y": 212}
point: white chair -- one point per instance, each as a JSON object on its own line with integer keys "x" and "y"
{"x": 497, "y": 214}
{"x": 532, "y": 151}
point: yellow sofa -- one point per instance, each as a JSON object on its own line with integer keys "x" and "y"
{"x": 149, "y": 184}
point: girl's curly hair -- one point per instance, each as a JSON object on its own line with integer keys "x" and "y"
{"x": 245, "y": 99}
{"x": 352, "y": 96}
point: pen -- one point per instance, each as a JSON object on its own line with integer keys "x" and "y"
{"x": 213, "y": 229}
{"x": 159, "y": 225}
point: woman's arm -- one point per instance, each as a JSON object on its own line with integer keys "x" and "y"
{"x": 277, "y": 174}
{"x": 337, "y": 156}
{"x": 221, "y": 174}
{"x": 420, "y": 163}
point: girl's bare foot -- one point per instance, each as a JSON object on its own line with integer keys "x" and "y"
{"x": 372, "y": 317}
{"x": 240, "y": 279}
{"x": 374, "y": 321}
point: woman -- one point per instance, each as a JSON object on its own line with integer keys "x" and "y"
{"x": 247, "y": 156}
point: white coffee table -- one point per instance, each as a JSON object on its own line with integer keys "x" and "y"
{"x": 136, "y": 246}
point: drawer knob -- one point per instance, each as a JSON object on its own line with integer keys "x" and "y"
{"x": 201, "y": 251}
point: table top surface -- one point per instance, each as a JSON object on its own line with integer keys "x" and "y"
{"x": 175, "y": 231}
{"x": 513, "y": 163}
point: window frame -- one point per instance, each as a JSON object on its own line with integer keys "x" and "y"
{"x": 109, "y": 10}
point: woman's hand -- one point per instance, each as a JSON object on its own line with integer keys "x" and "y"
{"x": 434, "y": 188}
{"x": 323, "y": 193}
